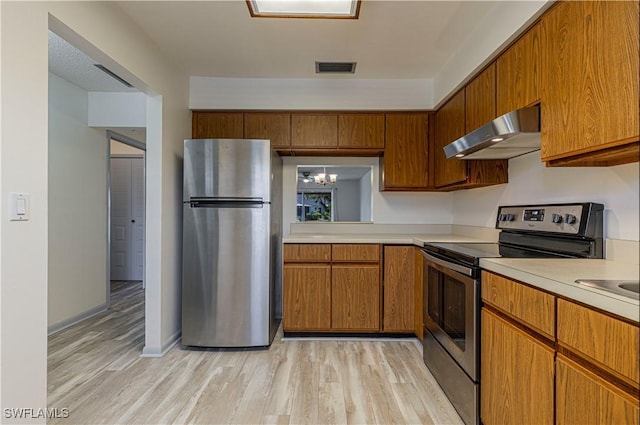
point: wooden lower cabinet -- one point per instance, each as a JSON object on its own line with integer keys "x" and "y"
{"x": 355, "y": 297}
{"x": 307, "y": 297}
{"x": 517, "y": 384}
{"x": 398, "y": 289}
{"x": 584, "y": 398}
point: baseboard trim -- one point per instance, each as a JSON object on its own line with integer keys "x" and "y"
{"x": 166, "y": 346}
{"x": 76, "y": 319}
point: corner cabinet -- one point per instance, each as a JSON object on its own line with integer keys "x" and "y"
{"x": 590, "y": 63}
{"x": 468, "y": 109}
{"x": 405, "y": 164}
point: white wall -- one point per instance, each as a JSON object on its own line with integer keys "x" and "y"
{"x": 387, "y": 207}
{"x": 531, "y": 182}
{"x": 321, "y": 93}
{"x": 117, "y": 109}
{"x": 118, "y": 148}
{"x": 365, "y": 197}
{"x": 106, "y": 34}
{"x": 77, "y": 207}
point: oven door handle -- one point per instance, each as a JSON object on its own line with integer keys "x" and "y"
{"x": 447, "y": 264}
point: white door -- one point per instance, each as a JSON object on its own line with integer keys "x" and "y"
{"x": 127, "y": 218}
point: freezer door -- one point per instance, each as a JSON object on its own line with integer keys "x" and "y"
{"x": 227, "y": 168}
{"x": 227, "y": 280}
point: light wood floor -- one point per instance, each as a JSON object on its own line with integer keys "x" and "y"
{"x": 95, "y": 370}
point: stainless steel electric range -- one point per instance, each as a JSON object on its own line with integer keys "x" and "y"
{"x": 452, "y": 298}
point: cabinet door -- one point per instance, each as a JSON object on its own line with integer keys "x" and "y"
{"x": 361, "y": 131}
{"x": 398, "y": 289}
{"x": 307, "y": 297}
{"x": 405, "y": 154}
{"x": 517, "y": 375}
{"x": 313, "y": 131}
{"x": 355, "y": 297}
{"x": 584, "y": 398}
{"x": 273, "y": 126}
{"x": 217, "y": 125}
{"x": 518, "y": 74}
{"x": 480, "y": 94}
{"x": 450, "y": 126}
{"x": 590, "y": 79}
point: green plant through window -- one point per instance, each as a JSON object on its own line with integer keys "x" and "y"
{"x": 314, "y": 206}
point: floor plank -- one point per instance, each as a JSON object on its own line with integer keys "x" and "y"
{"x": 95, "y": 370}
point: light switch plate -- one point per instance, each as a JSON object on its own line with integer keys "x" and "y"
{"x": 18, "y": 206}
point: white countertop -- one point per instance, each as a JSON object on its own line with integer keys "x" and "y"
{"x": 559, "y": 276}
{"x": 382, "y": 238}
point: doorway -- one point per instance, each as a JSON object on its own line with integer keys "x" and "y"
{"x": 127, "y": 188}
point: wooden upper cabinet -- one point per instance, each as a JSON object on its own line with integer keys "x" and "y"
{"x": 480, "y": 105}
{"x": 217, "y": 125}
{"x": 361, "y": 131}
{"x": 450, "y": 126}
{"x": 518, "y": 74}
{"x": 590, "y": 62}
{"x": 273, "y": 126}
{"x": 405, "y": 163}
{"x": 314, "y": 131}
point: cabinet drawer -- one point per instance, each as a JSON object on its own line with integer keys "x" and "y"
{"x": 355, "y": 253}
{"x": 532, "y": 307}
{"x": 604, "y": 340}
{"x": 308, "y": 253}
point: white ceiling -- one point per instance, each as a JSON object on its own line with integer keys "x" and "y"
{"x": 391, "y": 39}
{"x": 69, "y": 63}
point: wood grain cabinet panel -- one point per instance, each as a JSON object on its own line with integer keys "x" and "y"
{"x": 584, "y": 398}
{"x": 405, "y": 163}
{"x": 530, "y": 306}
{"x": 398, "y": 289}
{"x": 418, "y": 295}
{"x": 590, "y": 62}
{"x": 450, "y": 126}
{"x": 307, "y": 253}
{"x": 480, "y": 94}
{"x": 361, "y": 131}
{"x": 517, "y": 375}
{"x": 518, "y": 74}
{"x": 272, "y": 126}
{"x": 355, "y": 297}
{"x": 217, "y": 125}
{"x": 355, "y": 253}
{"x": 306, "y": 297}
{"x": 314, "y": 131}
{"x": 603, "y": 340}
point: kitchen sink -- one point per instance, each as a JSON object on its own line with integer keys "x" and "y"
{"x": 627, "y": 288}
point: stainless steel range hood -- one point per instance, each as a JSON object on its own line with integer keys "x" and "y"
{"x": 513, "y": 134}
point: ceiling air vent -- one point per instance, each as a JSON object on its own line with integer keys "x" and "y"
{"x": 335, "y": 67}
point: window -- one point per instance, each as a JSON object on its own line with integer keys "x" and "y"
{"x": 315, "y": 206}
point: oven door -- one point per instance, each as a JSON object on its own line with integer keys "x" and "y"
{"x": 451, "y": 310}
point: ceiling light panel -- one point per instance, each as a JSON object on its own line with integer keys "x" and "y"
{"x": 304, "y": 8}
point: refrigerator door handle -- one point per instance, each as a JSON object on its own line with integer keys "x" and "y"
{"x": 195, "y": 202}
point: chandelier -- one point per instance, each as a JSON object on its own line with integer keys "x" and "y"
{"x": 320, "y": 179}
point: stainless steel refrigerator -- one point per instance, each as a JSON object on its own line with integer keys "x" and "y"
{"x": 232, "y": 239}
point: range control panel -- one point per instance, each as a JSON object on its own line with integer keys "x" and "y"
{"x": 565, "y": 218}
